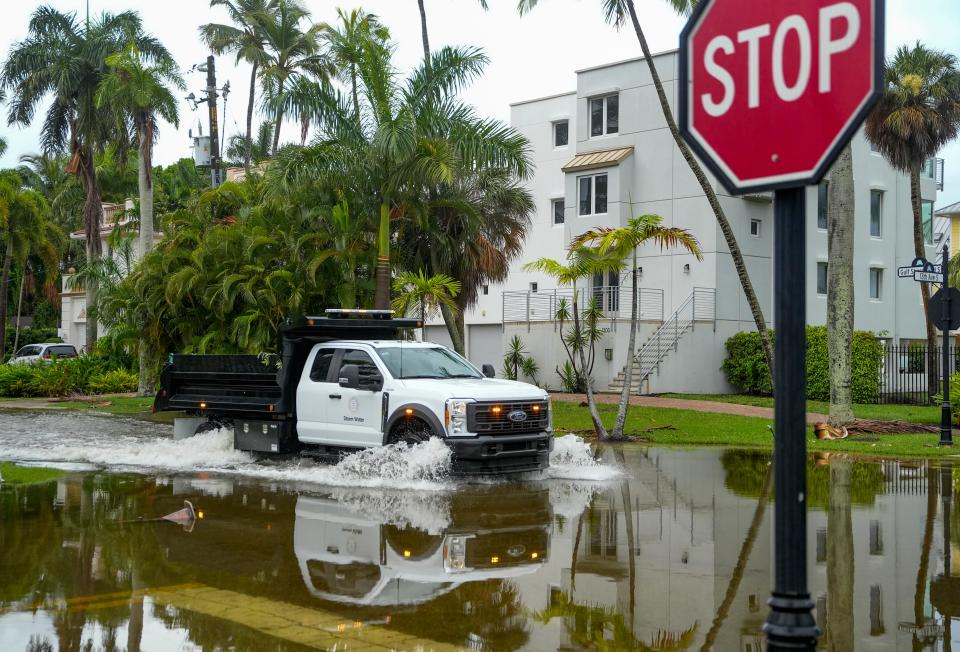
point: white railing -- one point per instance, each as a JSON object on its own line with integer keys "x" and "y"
{"x": 614, "y": 301}
{"x": 700, "y": 306}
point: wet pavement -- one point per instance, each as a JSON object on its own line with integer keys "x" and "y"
{"x": 647, "y": 549}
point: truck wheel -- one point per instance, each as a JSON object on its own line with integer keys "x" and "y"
{"x": 410, "y": 432}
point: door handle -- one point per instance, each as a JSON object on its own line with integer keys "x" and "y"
{"x": 335, "y": 396}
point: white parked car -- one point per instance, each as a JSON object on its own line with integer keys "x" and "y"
{"x": 33, "y": 353}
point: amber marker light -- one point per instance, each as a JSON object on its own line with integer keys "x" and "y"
{"x": 496, "y": 409}
{"x": 406, "y": 553}
{"x": 203, "y": 406}
{"x": 408, "y": 411}
{"x": 200, "y": 514}
{"x": 536, "y": 408}
{"x": 534, "y": 555}
{"x": 494, "y": 560}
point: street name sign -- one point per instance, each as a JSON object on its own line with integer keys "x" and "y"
{"x": 922, "y": 270}
{"x": 770, "y": 92}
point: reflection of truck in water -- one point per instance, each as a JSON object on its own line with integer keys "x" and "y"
{"x": 349, "y": 381}
{"x": 348, "y": 557}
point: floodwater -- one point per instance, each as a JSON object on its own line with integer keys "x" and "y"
{"x": 643, "y": 548}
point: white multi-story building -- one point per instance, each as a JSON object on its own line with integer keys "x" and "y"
{"x": 603, "y": 154}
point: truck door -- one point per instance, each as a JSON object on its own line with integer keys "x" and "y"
{"x": 354, "y": 416}
{"x": 317, "y": 384}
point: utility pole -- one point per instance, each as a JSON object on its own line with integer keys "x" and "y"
{"x": 216, "y": 171}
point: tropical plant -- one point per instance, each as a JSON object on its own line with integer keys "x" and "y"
{"x": 244, "y": 37}
{"x": 25, "y": 231}
{"x": 423, "y": 27}
{"x": 616, "y": 12}
{"x": 293, "y": 56}
{"x": 347, "y": 43}
{"x": 3, "y": 141}
{"x": 581, "y": 262}
{"x": 621, "y": 244}
{"x": 514, "y": 357}
{"x": 65, "y": 59}
{"x": 917, "y": 114}
{"x": 530, "y": 369}
{"x": 840, "y": 298}
{"x": 417, "y": 292}
{"x": 240, "y": 149}
{"x": 411, "y": 140}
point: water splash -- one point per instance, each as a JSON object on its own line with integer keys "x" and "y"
{"x": 572, "y": 459}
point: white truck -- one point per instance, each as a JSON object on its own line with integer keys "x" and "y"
{"x": 351, "y": 380}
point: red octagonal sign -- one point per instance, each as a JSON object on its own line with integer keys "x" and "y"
{"x": 770, "y": 92}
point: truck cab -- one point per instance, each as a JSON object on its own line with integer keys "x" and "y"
{"x": 329, "y": 394}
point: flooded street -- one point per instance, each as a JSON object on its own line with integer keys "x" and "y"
{"x": 647, "y": 549}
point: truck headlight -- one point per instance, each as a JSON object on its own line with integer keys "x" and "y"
{"x": 455, "y": 554}
{"x": 456, "y": 417}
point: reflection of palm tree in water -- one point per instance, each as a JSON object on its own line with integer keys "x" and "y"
{"x": 921, "y": 591}
{"x": 840, "y": 560}
{"x": 742, "y": 558}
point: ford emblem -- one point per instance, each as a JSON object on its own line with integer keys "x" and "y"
{"x": 517, "y": 416}
{"x": 516, "y": 551}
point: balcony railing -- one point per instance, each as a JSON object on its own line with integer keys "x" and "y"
{"x": 614, "y": 301}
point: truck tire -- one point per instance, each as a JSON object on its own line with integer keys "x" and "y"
{"x": 411, "y": 432}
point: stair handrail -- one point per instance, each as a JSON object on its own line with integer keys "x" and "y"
{"x": 670, "y": 332}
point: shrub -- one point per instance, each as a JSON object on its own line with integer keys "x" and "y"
{"x": 746, "y": 367}
{"x": 112, "y": 382}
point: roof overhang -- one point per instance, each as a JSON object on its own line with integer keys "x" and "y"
{"x": 600, "y": 159}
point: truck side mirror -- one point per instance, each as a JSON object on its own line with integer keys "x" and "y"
{"x": 349, "y": 376}
{"x": 489, "y": 371}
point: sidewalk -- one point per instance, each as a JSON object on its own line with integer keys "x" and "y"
{"x": 686, "y": 404}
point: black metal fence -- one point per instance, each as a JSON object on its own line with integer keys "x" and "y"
{"x": 903, "y": 374}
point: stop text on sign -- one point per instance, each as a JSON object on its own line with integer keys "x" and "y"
{"x": 771, "y": 91}
{"x": 793, "y": 27}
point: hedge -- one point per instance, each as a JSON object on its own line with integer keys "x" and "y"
{"x": 86, "y": 374}
{"x": 746, "y": 366}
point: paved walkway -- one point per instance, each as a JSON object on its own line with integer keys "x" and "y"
{"x": 687, "y": 404}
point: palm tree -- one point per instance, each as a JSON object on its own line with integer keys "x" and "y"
{"x": 3, "y": 141}
{"x": 918, "y": 113}
{"x": 292, "y": 54}
{"x": 417, "y": 291}
{"x": 64, "y": 59}
{"x": 25, "y": 231}
{"x": 840, "y": 560}
{"x": 345, "y": 45}
{"x": 423, "y": 27}
{"x": 616, "y": 13}
{"x": 137, "y": 90}
{"x": 622, "y": 243}
{"x": 239, "y": 148}
{"x": 245, "y": 38}
{"x": 840, "y": 298}
{"x": 410, "y": 139}
{"x": 581, "y": 262}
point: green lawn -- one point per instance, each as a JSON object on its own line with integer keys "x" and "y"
{"x": 13, "y": 474}
{"x": 127, "y": 406}
{"x": 708, "y": 429}
{"x": 914, "y": 413}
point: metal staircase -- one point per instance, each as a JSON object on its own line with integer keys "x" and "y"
{"x": 700, "y": 305}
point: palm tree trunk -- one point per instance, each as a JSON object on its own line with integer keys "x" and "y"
{"x": 588, "y": 385}
{"x": 920, "y": 593}
{"x": 92, "y": 217}
{"x": 145, "y": 380}
{"x": 4, "y": 290}
{"x": 16, "y": 331}
{"x": 248, "y": 145}
{"x": 276, "y": 127}
{"x": 711, "y": 195}
{"x": 631, "y": 538}
{"x": 920, "y": 252}
{"x": 840, "y": 561}
{"x": 840, "y": 298}
{"x": 631, "y": 345}
{"x": 381, "y": 298}
{"x": 423, "y": 32}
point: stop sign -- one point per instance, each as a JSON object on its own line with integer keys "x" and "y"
{"x": 770, "y": 92}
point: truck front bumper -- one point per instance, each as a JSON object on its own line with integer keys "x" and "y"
{"x": 498, "y": 454}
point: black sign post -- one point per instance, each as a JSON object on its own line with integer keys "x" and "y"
{"x": 946, "y": 427}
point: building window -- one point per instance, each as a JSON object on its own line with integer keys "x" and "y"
{"x": 821, "y": 545}
{"x": 926, "y": 216}
{"x": 533, "y": 288}
{"x": 928, "y": 167}
{"x": 821, "y": 278}
{"x": 604, "y": 115}
{"x": 557, "y": 211}
{"x": 876, "y": 213}
{"x": 876, "y": 611}
{"x": 561, "y": 133}
{"x": 755, "y": 228}
{"x": 486, "y": 289}
{"x": 876, "y": 538}
{"x": 822, "y": 197}
{"x": 876, "y": 283}
{"x": 592, "y": 194}
{"x": 874, "y": 148}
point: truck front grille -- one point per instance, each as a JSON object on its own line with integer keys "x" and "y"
{"x": 495, "y": 418}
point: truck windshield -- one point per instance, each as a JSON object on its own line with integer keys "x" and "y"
{"x": 425, "y": 362}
